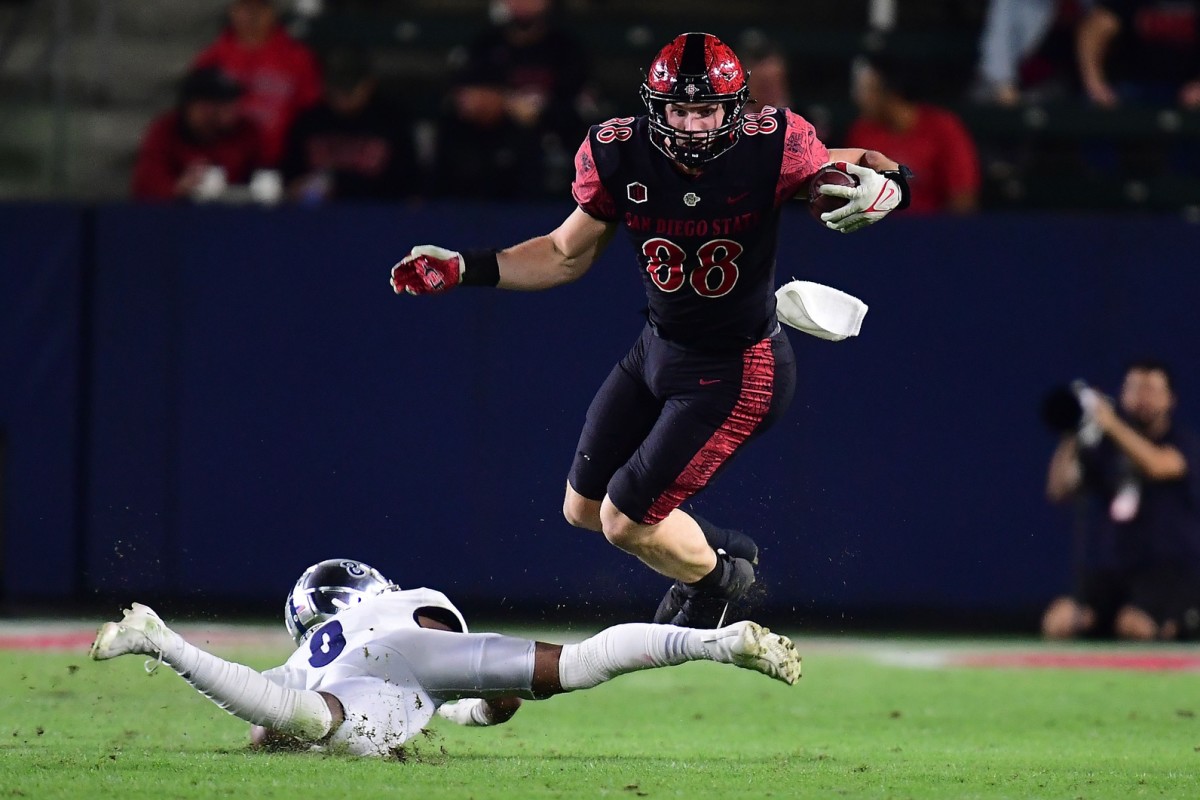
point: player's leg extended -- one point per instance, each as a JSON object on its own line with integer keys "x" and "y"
{"x": 621, "y": 415}
{"x": 636, "y": 646}
{"x": 238, "y": 689}
{"x": 450, "y": 665}
{"x": 479, "y": 668}
{"x": 486, "y": 665}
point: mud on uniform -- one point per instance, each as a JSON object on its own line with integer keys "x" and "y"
{"x": 712, "y": 368}
{"x": 390, "y": 674}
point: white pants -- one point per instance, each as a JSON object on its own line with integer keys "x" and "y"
{"x": 391, "y": 689}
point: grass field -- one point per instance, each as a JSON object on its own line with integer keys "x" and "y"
{"x": 871, "y": 719}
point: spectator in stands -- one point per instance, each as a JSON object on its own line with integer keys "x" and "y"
{"x": 524, "y": 77}
{"x": 930, "y": 140}
{"x": 1141, "y": 52}
{"x": 1140, "y": 578}
{"x": 280, "y": 74}
{"x": 768, "y": 67}
{"x": 353, "y": 145}
{"x": 1028, "y": 47}
{"x": 481, "y": 152}
{"x": 201, "y": 145}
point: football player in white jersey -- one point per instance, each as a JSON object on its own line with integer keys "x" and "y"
{"x": 374, "y": 662}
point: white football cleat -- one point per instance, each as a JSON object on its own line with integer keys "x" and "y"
{"x": 137, "y": 632}
{"x": 749, "y": 645}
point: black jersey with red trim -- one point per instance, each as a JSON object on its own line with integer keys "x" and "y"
{"x": 705, "y": 243}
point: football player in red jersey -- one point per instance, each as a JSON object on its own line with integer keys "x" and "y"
{"x": 698, "y": 185}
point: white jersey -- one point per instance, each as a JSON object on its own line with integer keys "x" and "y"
{"x": 360, "y": 657}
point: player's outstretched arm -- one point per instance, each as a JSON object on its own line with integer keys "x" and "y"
{"x": 545, "y": 261}
{"x": 559, "y": 257}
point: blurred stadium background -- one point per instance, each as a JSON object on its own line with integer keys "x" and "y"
{"x": 79, "y": 81}
{"x": 199, "y": 401}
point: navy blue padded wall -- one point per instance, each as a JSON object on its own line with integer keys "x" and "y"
{"x": 40, "y": 312}
{"x": 261, "y": 400}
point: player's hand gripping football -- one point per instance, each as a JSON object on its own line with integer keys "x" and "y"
{"x": 868, "y": 202}
{"x": 428, "y": 269}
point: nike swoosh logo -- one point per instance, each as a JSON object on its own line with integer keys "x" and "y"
{"x": 737, "y": 198}
{"x": 709, "y": 381}
{"x": 891, "y": 192}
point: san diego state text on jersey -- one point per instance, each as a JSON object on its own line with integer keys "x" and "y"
{"x": 706, "y": 243}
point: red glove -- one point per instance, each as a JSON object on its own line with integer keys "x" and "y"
{"x": 428, "y": 269}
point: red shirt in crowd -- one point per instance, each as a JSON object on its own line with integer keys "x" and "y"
{"x": 281, "y": 79}
{"x": 937, "y": 148}
{"x": 166, "y": 154}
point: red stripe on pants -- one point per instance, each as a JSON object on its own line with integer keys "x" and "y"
{"x": 753, "y": 405}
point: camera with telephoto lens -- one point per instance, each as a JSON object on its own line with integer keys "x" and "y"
{"x": 1068, "y": 409}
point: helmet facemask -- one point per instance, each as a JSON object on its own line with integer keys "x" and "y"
{"x": 694, "y": 148}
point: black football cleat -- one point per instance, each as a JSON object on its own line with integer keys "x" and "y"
{"x": 689, "y": 607}
{"x": 671, "y": 603}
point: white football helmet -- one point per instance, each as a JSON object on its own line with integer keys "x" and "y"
{"x": 328, "y": 588}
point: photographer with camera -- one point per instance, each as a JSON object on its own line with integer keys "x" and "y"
{"x": 1139, "y": 560}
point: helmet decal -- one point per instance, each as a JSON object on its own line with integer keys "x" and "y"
{"x": 723, "y": 68}
{"x": 664, "y": 71}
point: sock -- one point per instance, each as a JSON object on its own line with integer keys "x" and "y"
{"x": 628, "y": 648}
{"x": 717, "y": 538}
{"x": 711, "y": 583}
{"x": 244, "y": 692}
{"x": 735, "y": 543}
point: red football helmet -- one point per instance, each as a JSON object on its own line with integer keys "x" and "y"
{"x": 695, "y": 68}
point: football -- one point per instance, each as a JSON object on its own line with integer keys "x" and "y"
{"x": 818, "y": 203}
